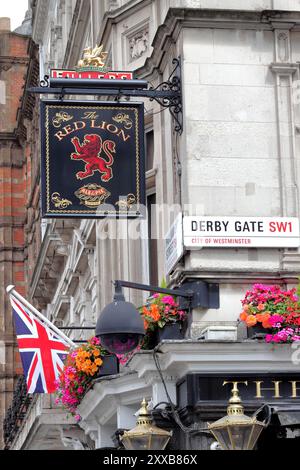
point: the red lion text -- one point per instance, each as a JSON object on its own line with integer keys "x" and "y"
{"x": 89, "y": 151}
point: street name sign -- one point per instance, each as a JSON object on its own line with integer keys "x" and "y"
{"x": 240, "y": 232}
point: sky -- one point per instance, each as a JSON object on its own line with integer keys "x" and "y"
{"x": 15, "y": 10}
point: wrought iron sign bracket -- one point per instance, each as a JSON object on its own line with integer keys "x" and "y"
{"x": 168, "y": 94}
{"x": 193, "y": 294}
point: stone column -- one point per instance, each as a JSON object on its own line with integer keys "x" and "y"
{"x": 284, "y": 71}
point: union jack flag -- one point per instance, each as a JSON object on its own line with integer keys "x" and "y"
{"x": 42, "y": 351}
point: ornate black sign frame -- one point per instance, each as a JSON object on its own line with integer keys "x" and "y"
{"x": 92, "y": 159}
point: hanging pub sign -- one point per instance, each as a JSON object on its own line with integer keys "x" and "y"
{"x": 92, "y": 159}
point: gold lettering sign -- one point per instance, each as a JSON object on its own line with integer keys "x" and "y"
{"x": 259, "y": 388}
{"x": 294, "y": 387}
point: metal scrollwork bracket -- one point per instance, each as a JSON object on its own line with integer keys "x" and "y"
{"x": 168, "y": 94}
{"x": 174, "y": 99}
{"x": 45, "y": 82}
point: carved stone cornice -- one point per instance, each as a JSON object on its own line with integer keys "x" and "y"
{"x": 177, "y": 18}
{"x": 284, "y": 68}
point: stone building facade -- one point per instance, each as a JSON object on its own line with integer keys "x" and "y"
{"x": 238, "y": 155}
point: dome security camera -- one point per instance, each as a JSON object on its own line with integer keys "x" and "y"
{"x": 120, "y": 327}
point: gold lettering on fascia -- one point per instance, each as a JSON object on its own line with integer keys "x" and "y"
{"x": 275, "y": 389}
{"x": 295, "y": 387}
{"x": 235, "y": 383}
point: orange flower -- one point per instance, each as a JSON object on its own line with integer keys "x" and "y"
{"x": 243, "y": 316}
{"x": 251, "y": 320}
{"x": 246, "y": 308}
{"x": 260, "y": 317}
{"x": 155, "y": 312}
{"x": 98, "y": 361}
{"x": 261, "y": 307}
{"x": 265, "y": 321}
{"x": 96, "y": 352}
{"x": 145, "y": 311}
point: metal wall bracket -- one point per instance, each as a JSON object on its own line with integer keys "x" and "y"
{"x": 205, "y": 295}
{"x": 190, "y": 294}
{"x": 174, "y": 101}
{"x": 168, "y": 94}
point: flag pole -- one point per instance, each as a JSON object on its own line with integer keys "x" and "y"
{"x": 11, "y": 291}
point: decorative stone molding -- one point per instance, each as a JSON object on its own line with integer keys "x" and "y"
{"x": 284, "y": 69}
{"x": 58, "y": 32}
{"x": 74, "y": 438}
{"x": 138, "y": 44}
{"x": 283, "y": 46}
{"x": 286, "y": 97}
{"x": 112, "y": 4}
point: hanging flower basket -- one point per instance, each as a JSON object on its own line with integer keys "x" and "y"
{"x": 272, "y": 313}
{"x": 83, "y": 364}
{"x": 258, "y": 331}
{"x": 170, "y": 331}
{"x": 163, "y": 319}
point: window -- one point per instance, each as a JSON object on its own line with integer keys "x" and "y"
{"x": 151, "y": 207}
{"x": 152, "y": 245}
{"x": 149, "y": 146}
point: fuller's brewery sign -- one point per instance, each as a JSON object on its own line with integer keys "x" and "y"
{"x": 92, "y": 159}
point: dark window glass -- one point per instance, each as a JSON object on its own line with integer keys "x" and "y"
{"x": 153, "y": 267}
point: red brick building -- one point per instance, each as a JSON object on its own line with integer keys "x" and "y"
{"x": 15, "y": 183}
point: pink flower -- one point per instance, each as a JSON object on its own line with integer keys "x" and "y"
{"x": 168, "y": 299}
{"x": 122, "y": 358}
{"x": 268, "y": 338}
{"x": 181, "y": 314}
{"x": 276, "y": 339}
{"x": 276, "y": 319}
{"x": 94, "y": 341}
{"x": 78, "y": 418}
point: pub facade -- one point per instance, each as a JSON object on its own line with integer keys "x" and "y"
{"x": 234, "y": 155}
